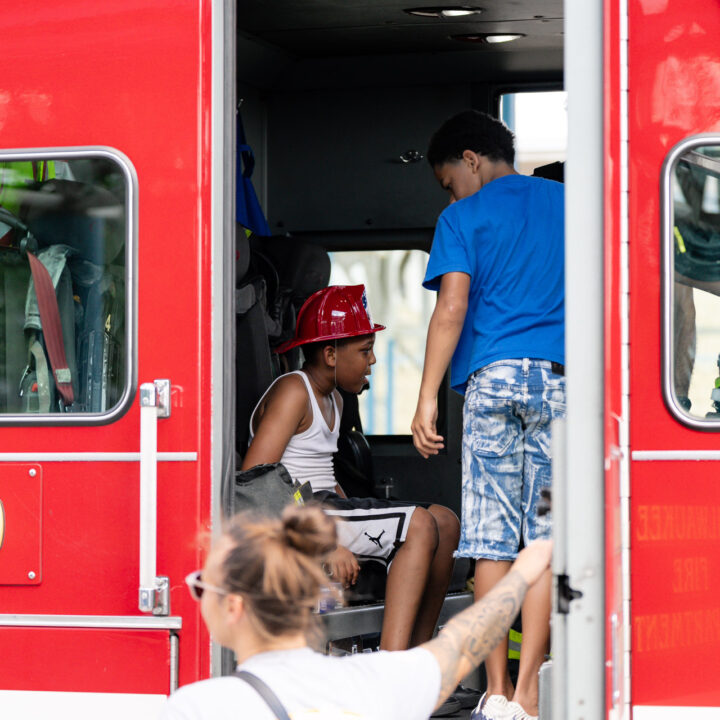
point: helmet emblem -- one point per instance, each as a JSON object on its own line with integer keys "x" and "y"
{"x": 366, "y": 305}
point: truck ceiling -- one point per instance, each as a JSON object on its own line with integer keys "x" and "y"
{"x": 320, "y": 42}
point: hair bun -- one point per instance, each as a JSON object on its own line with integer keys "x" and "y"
{"x": 309, "y": 530}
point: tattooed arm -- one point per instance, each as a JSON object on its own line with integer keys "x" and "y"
{"x": 470, "y": 636}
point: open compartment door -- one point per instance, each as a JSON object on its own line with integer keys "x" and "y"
{"x": 578, "y": 494}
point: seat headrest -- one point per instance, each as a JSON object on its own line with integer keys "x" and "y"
{"x": 302, "y": 267}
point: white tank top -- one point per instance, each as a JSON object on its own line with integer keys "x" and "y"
{"x": 308, "y": 455}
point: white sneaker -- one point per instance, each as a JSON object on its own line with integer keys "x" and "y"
{"x": 517, "y": 712}
{"x": 494, "y": 707}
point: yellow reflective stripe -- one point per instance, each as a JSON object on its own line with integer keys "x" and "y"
{"x": 679, "y": 238}
{"x": 15, "y": 176}
{"x": 514, "y": 643}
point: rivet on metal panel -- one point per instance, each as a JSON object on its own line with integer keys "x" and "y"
{"x": 31, "y": 575}
{"x": 32, "y": 472}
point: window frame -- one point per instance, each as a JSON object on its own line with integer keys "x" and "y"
{"x": 522, "y": 87}
{"x": 500, "y": 91}
{"x": 369, "y": 241}
{"x": 667, "y": 264}
{"x": 127, "y": 169}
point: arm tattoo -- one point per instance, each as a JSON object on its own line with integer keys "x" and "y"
{"x": 475, "y": 632}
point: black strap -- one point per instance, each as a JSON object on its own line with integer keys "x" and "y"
{"x": 265, "y": 693}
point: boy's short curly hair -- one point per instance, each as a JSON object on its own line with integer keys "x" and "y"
{"x": 471, "y": 130}
{"x": 312, "y": 351}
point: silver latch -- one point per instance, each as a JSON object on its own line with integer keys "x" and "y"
{"x": 157, "y": 394}
{"x": 156, "y": 600}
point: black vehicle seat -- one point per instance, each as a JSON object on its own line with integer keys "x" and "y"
{"x": 275, "y": 275}
{"x": 353, "y": 462}
{"x": 300, "y": 269}
{"x": 253, "y": 365}
{"x": 551, "y": 171}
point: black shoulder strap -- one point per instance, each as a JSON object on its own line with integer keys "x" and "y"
{"x": 265, "y": 693}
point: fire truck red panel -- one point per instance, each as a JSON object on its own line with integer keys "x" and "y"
{"x": 20, "y": 525}
{"x": 86, "y": 660}
{"x": 674, "y": 505}
{"x": 675, "y": 583}
{"x": 135, "y": 77}
{"x": 674, "y": 96}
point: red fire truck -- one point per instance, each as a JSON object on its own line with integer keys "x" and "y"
{"x": 125, "y": 393}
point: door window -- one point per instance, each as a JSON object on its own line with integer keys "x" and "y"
{"x": 692, "y": 282}
{"x": 65, "y": 285}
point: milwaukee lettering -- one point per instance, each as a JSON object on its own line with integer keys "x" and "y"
{"x": 677, "y": 522}
{"x": 667, "y": 631}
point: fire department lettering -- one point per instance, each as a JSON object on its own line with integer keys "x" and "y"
{"x": 677, "y": 522}
{"x": 682, "y": 629}
{"x": 690, "y": 575}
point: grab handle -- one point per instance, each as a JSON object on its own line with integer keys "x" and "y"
{"x": 154, "y": 592}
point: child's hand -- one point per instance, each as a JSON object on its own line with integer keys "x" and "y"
{"x": 425, "y": 438}
{"x": 343, "y": 565}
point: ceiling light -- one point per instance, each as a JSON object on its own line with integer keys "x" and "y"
{"x": 458, "y": 12}
{"x": 485, "y": 38}
{"x": 503, "y": 38}
{"x": 444, "y": 12}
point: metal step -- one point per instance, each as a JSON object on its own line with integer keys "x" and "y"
{"x": 367, "y": 619}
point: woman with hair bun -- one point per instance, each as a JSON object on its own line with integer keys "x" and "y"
{"x": 258, "y": 591}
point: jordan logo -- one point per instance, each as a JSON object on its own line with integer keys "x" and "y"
{"x": 376, "y": 540}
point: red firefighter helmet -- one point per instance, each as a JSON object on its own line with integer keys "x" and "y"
{"x": 335, "y": 312}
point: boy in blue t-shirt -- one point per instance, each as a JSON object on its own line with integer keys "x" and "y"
{"x": 497, "y": 262}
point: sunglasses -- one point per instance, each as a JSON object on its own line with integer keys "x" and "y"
{"x": 197, "y": 587}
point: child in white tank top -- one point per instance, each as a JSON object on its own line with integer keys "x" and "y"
{"x": 297, "y": 421}
{"x": 308, "y": 455}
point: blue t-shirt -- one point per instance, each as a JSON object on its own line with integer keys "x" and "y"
{"x": 509, "y": 237}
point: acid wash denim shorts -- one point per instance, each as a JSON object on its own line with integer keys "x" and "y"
{"x": 509, "y": 406}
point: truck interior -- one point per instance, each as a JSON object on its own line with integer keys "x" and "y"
{"x": 338, "y": 101}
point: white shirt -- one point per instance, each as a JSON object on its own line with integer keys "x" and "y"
{"x": 367, "y": 686}
{"x": 309, "y": 454}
